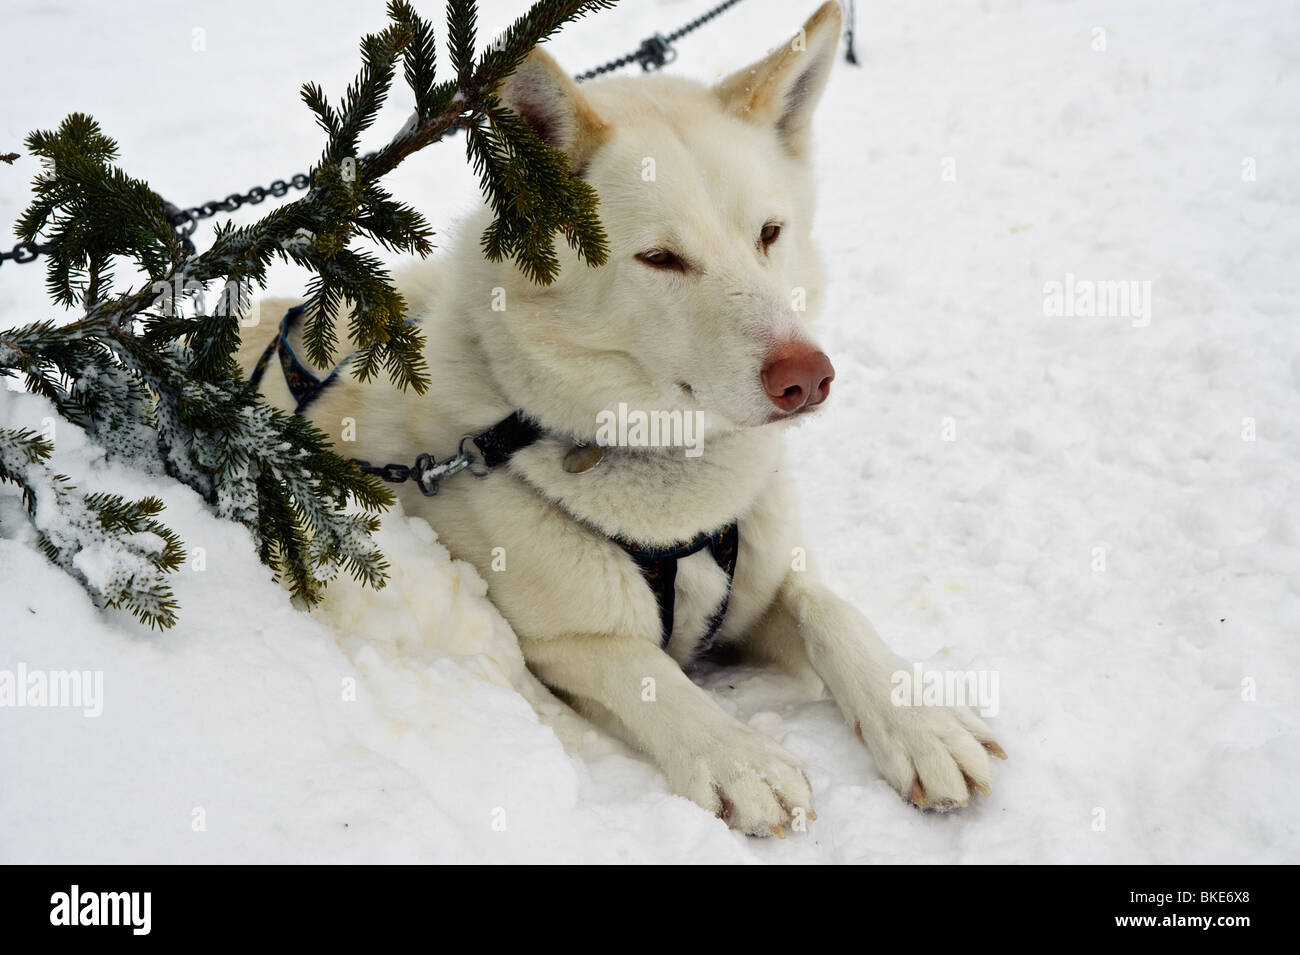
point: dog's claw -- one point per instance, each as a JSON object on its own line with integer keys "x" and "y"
{"x": 724, "y": 806}
{"x": 917, "y": 795}
{"x": 993, "y": 748}
{"x": 857, "y": 728}
{"x": 778, "y": 831}
{"x": 981, "y": 788}
{"x": 808, "y": 813}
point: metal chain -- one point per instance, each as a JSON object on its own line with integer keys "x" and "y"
{"x": 26, "y": 252}
{"x": 657, "y": 51}
{"x": 184, "y": 221}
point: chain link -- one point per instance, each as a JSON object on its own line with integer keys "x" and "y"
{"x": 185, "y": 221}
{"x": 26, "y": 252}
{"x": 657, "y": 51}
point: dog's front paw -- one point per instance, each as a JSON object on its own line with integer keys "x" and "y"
{"x": 937, "y": 757}
{"x": 748, "y": 781}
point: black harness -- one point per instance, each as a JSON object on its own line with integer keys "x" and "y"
{"x": 303, "y": 385}
{"x": 496, "y": 446}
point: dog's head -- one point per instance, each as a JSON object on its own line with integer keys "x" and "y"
{"x": 706, "y": 196}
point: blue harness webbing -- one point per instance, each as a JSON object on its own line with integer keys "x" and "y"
{"x": 303, "y": 385}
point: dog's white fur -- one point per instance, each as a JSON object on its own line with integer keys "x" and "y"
{"x": 727, "y": 160}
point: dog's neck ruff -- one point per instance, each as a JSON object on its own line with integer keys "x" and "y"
{"x": 497, "y": 445}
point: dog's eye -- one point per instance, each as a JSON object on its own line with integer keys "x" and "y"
{"x": 769, "y": 233}
{"x": 661, "y": 259}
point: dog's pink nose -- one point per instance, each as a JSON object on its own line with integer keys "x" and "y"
{"x": 797, "y": 376}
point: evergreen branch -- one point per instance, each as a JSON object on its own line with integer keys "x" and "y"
{"x": 462, "y": 27}
{"x": 542, "y": 20}
{"x": 419, "y": 57}
{"x": 149, "y": 372}
{"x": 113, "y": 546}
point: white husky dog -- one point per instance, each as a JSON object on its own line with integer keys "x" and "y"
{"x": 616, "y": 564}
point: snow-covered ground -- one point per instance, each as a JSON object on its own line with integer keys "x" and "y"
{"x": 979, "y": 453}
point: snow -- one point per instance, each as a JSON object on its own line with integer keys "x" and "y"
{"x": 978, "y": 454}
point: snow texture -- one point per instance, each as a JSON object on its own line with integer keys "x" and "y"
{"x": 982, "y": 460}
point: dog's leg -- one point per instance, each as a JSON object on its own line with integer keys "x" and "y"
{"x": 935, "y": 756}
{"x": 710, "y": 757}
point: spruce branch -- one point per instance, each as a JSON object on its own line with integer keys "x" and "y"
{"x": 113, "y": 546}
{"x": 149, "y": 371}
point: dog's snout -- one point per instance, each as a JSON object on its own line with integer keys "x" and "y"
{"x": 797, "y": 377}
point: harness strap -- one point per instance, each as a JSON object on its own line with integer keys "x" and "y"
{"x": 498, "y": 444}
{"x": 303, "y": 385}
{"x": 514, "y": 433}
{"x": 659, "y": 569}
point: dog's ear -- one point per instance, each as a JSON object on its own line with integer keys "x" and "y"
{"x": 782, "y": 89}
{"x": 548, "y": 100}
